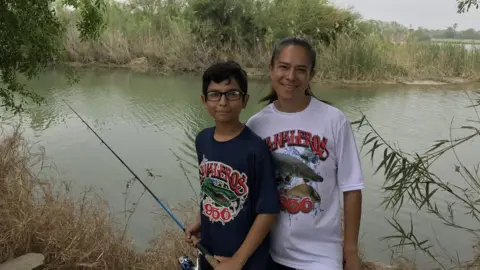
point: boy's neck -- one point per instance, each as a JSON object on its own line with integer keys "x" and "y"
{"x": 227, "y": 131}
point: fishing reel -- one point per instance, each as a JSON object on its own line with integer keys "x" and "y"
{"x": 186, "y": 263}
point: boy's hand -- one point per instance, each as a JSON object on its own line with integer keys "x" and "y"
{"x": 228, "y": 263}
{"x": 193, "y": 230}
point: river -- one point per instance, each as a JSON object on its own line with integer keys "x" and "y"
{"x": 149, "y": 119}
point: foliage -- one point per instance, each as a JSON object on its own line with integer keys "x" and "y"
{"x": 316, "y": 20}
{"x": 244, "y": 23}
{"x": 31, "y": 37}
{"x": 172, "y": 36}
{"x": 409, "y": 178}
{"x": 227, "y": 21}
{"x": 465, "y": 5}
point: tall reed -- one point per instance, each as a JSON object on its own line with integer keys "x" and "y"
{"x": 44, "y": 216}
{"x": 176, "y": 42}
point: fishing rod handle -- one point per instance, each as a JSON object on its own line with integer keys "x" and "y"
{"x": 209, "y": 257}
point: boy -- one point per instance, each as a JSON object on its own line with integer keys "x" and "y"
{"x": 239, "y": 198}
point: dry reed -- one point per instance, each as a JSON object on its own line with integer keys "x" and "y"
{"x": 42, "y": 216}
{"x": 367, "y": 59}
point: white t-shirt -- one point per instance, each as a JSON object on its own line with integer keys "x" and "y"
{"x": 307, "y": 234}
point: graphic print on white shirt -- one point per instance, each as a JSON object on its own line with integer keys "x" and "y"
{"x": 296, "y": 172}
{"x": 317, "y": 160}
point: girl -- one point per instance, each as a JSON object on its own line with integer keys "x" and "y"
{"x": 317, "y": 159}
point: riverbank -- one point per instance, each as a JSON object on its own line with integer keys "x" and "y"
{"x": 176, "y": 37}
{"x": 142, "y": 65}
{"x": 350, "y": 61}
{"x": 43, "y": 216}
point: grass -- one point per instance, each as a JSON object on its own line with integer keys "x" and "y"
{"x": 168, "y": 44}
{"x": 370, "y": 59}
{"x": 42, "y": 216}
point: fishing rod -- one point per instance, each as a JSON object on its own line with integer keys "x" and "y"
{"x": 209, "y": 257}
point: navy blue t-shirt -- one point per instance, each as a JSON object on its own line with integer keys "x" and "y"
{"x": 237, "y": 179}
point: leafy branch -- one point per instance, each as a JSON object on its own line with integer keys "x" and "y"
{"x": 31, "y": 38}
{"x": 465, "y": 5}
{"x": 408, "y": 177}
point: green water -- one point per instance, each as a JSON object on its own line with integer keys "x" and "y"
{"x": 146, "y": 119}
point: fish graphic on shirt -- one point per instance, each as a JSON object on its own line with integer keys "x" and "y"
{"x": 289, "y": 167}
{"x": 303, "y": 190}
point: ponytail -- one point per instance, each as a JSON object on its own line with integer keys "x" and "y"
{"x": 309, "y": 92}
{"x": 270, "y": 97}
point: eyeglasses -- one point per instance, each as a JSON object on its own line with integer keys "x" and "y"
{"x": 231, "y": 95}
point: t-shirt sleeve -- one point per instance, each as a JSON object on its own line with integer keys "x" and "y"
{"x": 253, "y": 122}
{"x": 266, "y": 196}
{"x": 349, "y": 168}
{"x": 249, "y": 122}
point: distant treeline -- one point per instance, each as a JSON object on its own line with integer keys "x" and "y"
{"x": 394, "y": 30}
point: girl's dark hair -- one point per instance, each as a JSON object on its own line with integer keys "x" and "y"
{"x": 312, "y": 54}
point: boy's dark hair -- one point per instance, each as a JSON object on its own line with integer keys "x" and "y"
{"x": 312, "y": 54}
{"x": 222, "y": 71}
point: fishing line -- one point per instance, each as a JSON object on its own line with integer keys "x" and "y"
{"x": 213, "y": 262}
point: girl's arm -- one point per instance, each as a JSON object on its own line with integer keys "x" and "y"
{"x": 352, "y": 215}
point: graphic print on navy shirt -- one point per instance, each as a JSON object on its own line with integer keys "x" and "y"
{"x": 300, "y": 154}
{"x": 237, "y": 180}
{"x": 224, "y": 190}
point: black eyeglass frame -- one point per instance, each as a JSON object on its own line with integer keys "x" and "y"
{"x": 226, "y": 94}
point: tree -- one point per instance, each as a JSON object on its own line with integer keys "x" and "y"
{"x": 449, "y": 33}
{"x": 465, "y": 5}
{"x": 31, "y": 36}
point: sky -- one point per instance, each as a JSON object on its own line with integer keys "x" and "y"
{"x": 433, "y": 14}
